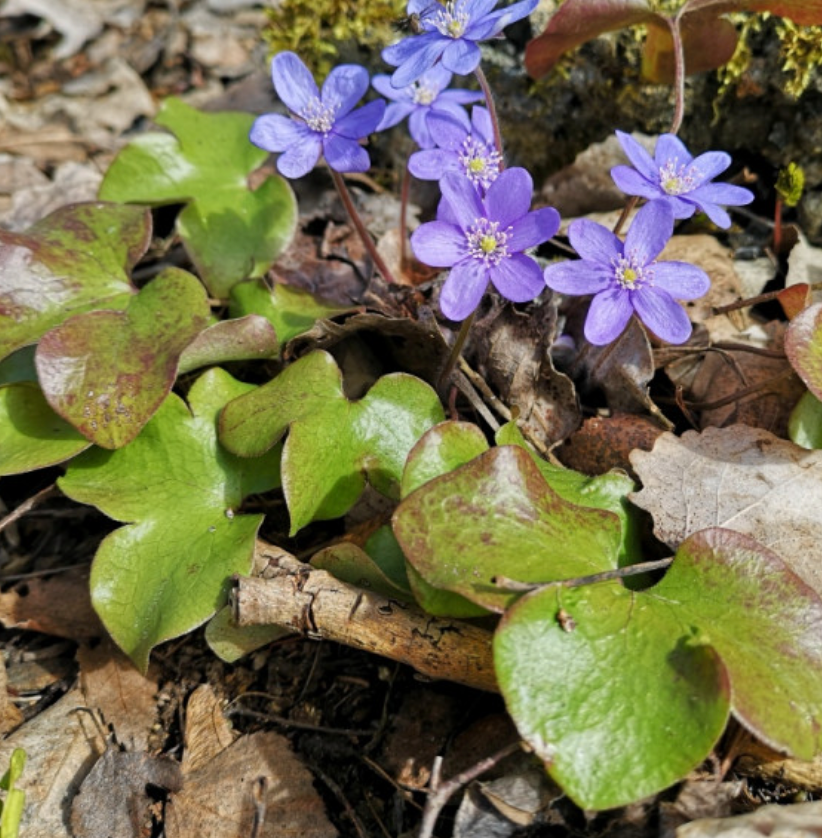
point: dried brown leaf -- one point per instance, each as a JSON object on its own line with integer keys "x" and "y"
{"x": 208, "y": 732}
{"x": 741, "y": 478}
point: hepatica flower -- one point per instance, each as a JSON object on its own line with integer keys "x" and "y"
{"x": 681, "y": 180}
{"x": 482, "y": 239}
{"x": 462, "y": 146}
{"x": 625, "y": 278}
{"x": 420, "y": 99}
{"x": 450, "y": 32}
{"x": 323, "y": 123}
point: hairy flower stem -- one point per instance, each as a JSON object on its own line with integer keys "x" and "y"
{"x": 405, "y": 191}
{"x": 679, "y": 71}
{"x": 456, "y": 349}
{"x": 623, "y": 216}
{"x": 348, "y": 203}
{"x": 492, "y": 110}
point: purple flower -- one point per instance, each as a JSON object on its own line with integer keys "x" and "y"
{"x": 624, "y": 278}
{"x": 462, "y": 146}
{"x": 420, "y": 99}
{"x": 323, "y": 123}
{"x": 482, "y": 240}
{"x": 682, "y": 181}
{"x": 450, "y": 32}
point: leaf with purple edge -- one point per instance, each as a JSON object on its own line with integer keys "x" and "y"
{"x": 803, "y": 346}
{"x": 107, "y": 372}
{"x": 75, "y": 259}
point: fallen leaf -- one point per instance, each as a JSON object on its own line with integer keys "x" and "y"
{"x": 218, "y": 800}
{"x": 801, "y": 820}
{"x": 207, "y": 731}
{"x": 59, "y": 605}
{"x": 114, "y": 799}
{"x": 125, "y": 698}
{"x": 10, "y": 716}
{"x": 61, "y": 744}
{"x": 744, "y": 479}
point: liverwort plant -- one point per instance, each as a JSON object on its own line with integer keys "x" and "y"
{"x": 323, "y": 123}
{"x": 626, "y": 278}
{"x": 674, "y": 176}
{"x": 450, "y": 33}
{"x": 461, "y": 145}
{"x": 482, "y": 239}
{"x": 423, "y": 98}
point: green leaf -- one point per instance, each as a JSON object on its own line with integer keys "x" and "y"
{"x": 496, "y": 516}
{"x": 291, "y": 311}
{"x": 246, "y": 339}
{"x": 107, "y": 372}
{"x": 166, "y": 572}
{"x": 621, "y": 702}
{"x": 11, "y": 811}
{"x": 75, "y": 259}
{"x": 442, "y": 449}
{"x": 605, "y": 491}
{"x": 230, "y": 231}
{"x": 333, "y": 443}
{"x": 32, "y": 435}
{"x": 349, "y": 563}
{"x": 622, "y": 693}
{"x": 19, "y": 367}
{"x": 805, "y": 424}
{"x": 803, "y": 346}
{"x": 231, "y": 642}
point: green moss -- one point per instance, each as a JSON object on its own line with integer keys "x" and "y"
{"x": 790, "y": 183}
{"x": 801, "y": 50}
{"x": 315, "y": 29}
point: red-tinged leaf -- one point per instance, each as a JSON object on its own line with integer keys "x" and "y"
{"x": 496, "y": 516}
{"x": 107, "y": 372}
{"x": 803, "y": 12}
{"x": 803, "y": 346}
{"x": 708, "y": 42}
{"x": 794, "y": 299}
{"x": 576, "y": 22}
{"x": 73, "y": 260}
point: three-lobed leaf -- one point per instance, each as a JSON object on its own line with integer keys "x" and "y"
{"x": 623, "y": 692}
{"x": 177, "y": 489}
{"x": 230, "y": 231}
{"x": 75, "y": 259}
{"x": 333, "y": 443}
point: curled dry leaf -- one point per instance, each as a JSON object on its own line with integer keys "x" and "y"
{"x": 744, "y": 479}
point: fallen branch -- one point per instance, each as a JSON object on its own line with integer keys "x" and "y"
{"x": 315, "y": 604}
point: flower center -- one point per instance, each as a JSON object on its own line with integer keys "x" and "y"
{"x": 487, "y": 242}
{"x": 481, "y": 163}
{"x": 318, "y": 117}
{"x": 630, "y": 274}
{"x": 450, "y": 21}
{"x": 423, "y": 94}
{"x": 676, "y": 180}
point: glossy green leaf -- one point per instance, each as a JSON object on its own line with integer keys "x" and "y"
{"x": 291, "y": 311}
{"x": 605, "y": 491}
{"x": 445, "y": 447}
{"x": 19, "y": 367}
{"x": 248, "y": 338}
{"x": 805, "y": 423}
{"x": 349, "y": 563}
{"x": 177, "y": 490}
{"x": 75, "y": 259}
{"x": 622, "y": 693}
{"x": 231, "y": 642}
{"x": 614, "y": 693}
{"x": 32, "y": 435}
{"x": 107, "y": 372}
{"x": 803, "y": 346}
{"x": 496, "y": 516}
{"x": 230, "y": 231}
{"x": 333, "y": 443}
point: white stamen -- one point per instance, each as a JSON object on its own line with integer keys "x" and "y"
{"x": 487, "y": 242}
{"x": 630, "y": 273}
{"x": 318, "y": 117}
{"x": 423, "y": 94}
{"x": 676, "y": 180}
{"x": 480, "y": 162}
{"x": 451, "y": 21}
